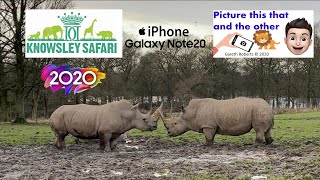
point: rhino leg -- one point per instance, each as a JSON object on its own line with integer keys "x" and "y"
{"x": 117, "y": 139}
{"x": 105, "y": 141}
{"x": 56, "y": 143}
{"x": 260, "y": 137}
{"x": 209, "y": 133}
{"x": 114, "y": 141}
{"x": 268, "y": 136}
{"x": 60, "y": 142}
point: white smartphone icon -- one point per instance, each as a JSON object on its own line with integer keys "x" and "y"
{"x": 242, "y": 43}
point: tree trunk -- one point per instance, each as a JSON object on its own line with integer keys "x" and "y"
{"x": 84, "y": 97}
{"x": 4, "y": 108}
{"x": 289, "y": 92}
{"x": 35, "y": 100}
{"x": 277, "y": 100}
{"x": 261, "y": 76}
{"x": 19, "y": 106}
{"x": 18, "y": 17}
{"x": 77, "y": 101}
{"x": 309, "y": 88}
{"x": 10, "y": 110}
{"x": 109, "y": 98}
{"x": 273, "y": 103}
{"x": 170, "y": 105}
{"x": 293, "y": 103}
{"x": 3, "y": 105}
{"x": 233, "y": 94}
{"x": 150, "y": 101}
{"x": 3, "y": 90}
{"x": 19, "y": 111}
{"x": 45, "y": 102}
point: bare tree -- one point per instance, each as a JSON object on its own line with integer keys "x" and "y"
{"x": 13, "y": 18}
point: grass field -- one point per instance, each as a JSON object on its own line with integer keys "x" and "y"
{"x": 288, "y": 129}
{"x": 295, "y": 153}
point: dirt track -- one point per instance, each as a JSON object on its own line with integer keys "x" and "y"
{"x": 147, "y": 158}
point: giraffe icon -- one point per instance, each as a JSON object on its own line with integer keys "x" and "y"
{"x": 89, "y": 29}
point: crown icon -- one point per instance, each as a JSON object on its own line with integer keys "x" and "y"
{"x": 71, "y": 19}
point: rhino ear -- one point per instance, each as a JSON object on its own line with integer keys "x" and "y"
{"x": 135, "y": 107}
{"x": 183, "y": 109}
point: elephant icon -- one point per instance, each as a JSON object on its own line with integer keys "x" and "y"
{"x": 52, "y": 31}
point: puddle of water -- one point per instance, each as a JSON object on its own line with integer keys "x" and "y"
{"x": 209, "y": 158}
{"x": 156, "y": 174}
{"x": 85, "y": 170}
{"x": 132, "y": 147}
{"x": 117, "y": 172}
{"x": 258, "y": 177}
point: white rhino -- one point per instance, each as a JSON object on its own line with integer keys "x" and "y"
{"x": 106, "y": 122}
{"x": 227, "y": 117}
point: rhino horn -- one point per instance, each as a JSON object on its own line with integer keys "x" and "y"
{"x": 135, "y": 107}
{"x": 161, "y": 114}
{"x": 158, "y": 112}
{"x": 160, "y": 107}
{"x": 149, "y": 113}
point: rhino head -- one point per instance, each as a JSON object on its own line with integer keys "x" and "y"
{"x": 176, "y": 126}
{"x": 144, "y": 122}
{"x": 151, "y": 120}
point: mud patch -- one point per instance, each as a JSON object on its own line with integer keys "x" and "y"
{"x": 149, "y": 158}
{"x": 215, "y": 158}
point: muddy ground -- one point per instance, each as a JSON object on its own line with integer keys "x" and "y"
{"x": 150, "y": 158}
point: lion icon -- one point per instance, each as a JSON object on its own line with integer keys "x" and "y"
{"x": 263, "y": 39}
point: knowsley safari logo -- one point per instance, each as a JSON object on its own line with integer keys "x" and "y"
{"x": 73, "y": 34}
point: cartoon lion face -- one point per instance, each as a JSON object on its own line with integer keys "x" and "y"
{"x": 262, "y": 37}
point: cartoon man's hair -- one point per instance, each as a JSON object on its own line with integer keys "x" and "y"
{"x": 300, "y": 23}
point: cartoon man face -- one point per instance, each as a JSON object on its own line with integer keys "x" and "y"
{"x": 298, "y": 36}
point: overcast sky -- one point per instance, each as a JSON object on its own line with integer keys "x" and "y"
{"x": 194, "y": 15}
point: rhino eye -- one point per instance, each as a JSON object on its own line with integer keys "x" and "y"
{"x": 144, "y": 119}
{"x": 175, "y": 123}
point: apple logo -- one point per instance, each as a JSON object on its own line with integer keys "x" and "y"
{"x": 142, "y": 31}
